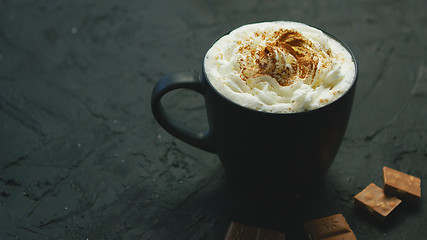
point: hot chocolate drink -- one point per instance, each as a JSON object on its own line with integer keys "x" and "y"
{"x": 279, "y": 67}
{"x": 278, "y": 99}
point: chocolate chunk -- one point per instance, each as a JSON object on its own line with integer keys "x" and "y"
{"x": 344, "y": 236}
{"x": 329, "y": 228}
{"x": 376, "y": 201}
{"x": 401, "y": 184}
{"x": 238, "y": 231}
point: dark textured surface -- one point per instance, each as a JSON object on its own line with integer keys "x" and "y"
{"x": 81, "y": 156}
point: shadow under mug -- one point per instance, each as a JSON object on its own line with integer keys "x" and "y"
{"x": 262, "y": 153}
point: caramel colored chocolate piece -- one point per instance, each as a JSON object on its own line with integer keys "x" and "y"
{"x": 238, "y": 231}
{"x": 401, "y": 184}
{"x": 344, "y": 236}
{"x": 329, "y": 228}
{"x": 376, "y": 201}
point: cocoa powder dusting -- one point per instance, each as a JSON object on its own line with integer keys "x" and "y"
{"x": 302, "y": 61}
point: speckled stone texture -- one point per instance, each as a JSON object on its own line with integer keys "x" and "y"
{"x": 81, "y": 156}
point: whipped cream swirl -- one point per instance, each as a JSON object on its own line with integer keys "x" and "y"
{"x": 279, "y": 67}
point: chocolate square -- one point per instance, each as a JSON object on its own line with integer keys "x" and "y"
{"x": 332, "y": 227}
{"x": 401, "y": 185}
{"x": 374, "y": 199}
{"x": 344, "y": 236}
{"x": 238, "y": 231}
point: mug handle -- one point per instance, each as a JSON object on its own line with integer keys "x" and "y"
{"x": 187, "y": 80}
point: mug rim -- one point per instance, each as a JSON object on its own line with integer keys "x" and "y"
{"x": 353, "y": 83}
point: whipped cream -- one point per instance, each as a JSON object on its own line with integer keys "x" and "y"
{"x": 279, "y": 67}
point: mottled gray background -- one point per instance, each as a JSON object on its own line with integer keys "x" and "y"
{"x": 81, "y": 156}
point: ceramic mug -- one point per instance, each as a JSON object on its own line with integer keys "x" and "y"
{"x": 261, "y": 152}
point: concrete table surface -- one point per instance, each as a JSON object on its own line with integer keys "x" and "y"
{"x": 81, "y": 156}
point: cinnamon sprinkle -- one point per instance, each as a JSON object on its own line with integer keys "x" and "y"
{"x": 264, "y": 60}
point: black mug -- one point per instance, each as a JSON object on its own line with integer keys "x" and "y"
{"x": 262, "y": 153}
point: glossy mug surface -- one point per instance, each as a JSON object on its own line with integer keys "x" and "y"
{"x": 272, "y": 152}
